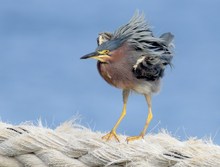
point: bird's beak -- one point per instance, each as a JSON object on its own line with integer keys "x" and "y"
{"x": 90, "y": 55}
{"x": 97, "y": 56}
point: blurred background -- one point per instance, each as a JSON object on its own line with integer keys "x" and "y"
{"x": 41, "y": 75}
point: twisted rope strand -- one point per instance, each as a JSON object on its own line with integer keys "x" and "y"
{"x": 71, "y": 145}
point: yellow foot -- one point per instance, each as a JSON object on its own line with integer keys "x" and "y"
{"x": 110, "y": 135}
{"x": 132, "y": 138}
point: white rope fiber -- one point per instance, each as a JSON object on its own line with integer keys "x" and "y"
{"x": 71, "y": 145}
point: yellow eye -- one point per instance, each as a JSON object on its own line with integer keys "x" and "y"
{"x": 103, "y": 52}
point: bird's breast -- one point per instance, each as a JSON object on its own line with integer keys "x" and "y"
{"x": 117, "y": 74}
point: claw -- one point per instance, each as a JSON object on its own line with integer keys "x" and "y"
{"x": 111, "y": 135}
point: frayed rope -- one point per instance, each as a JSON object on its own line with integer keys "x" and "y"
{"x": 71, "y": 145}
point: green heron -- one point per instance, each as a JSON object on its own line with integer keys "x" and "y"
{"x": 133, "y": 59}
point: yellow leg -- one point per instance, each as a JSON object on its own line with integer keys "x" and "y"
{"x": 149, "y": 118}
{"x": 113, "y": 131}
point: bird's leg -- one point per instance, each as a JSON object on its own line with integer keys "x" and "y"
{"x": 149, "y": 118}
{"x": 113, "y": 131}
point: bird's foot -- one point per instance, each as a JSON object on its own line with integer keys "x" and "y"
{"x": 133, "y": 138}
{"x": 111, "y": 135}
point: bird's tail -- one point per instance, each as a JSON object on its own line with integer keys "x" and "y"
{"x": 167, "y": 39}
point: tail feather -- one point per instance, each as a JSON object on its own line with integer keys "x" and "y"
{"x": 167, "y": 38}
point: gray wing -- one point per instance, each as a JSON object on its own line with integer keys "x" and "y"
{"x": 163, "y": 45}
{"x": 151, "y": 67}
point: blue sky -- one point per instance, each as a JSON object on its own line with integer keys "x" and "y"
{"x": 41, "y": 75}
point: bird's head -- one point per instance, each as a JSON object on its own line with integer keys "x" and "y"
{"x": 105, "y": 51}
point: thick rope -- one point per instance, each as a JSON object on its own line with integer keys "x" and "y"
{"x": 71, "y": 145}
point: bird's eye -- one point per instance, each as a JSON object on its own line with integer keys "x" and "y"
{"x": 104, "y": 52}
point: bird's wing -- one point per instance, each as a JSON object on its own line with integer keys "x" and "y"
{"x": 149, "y": 68}
{"x": 162, "y": 46}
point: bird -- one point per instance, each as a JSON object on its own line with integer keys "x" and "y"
{"x": 133, "y": 60}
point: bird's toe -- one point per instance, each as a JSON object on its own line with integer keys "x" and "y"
{"x": 133, "y": 138}
{"x": 111, "y": 135}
